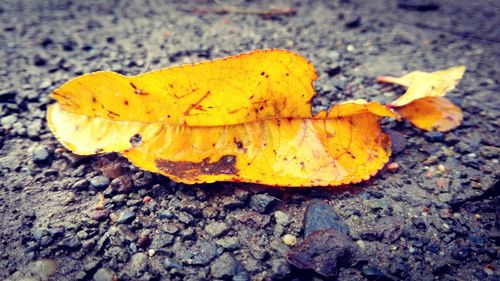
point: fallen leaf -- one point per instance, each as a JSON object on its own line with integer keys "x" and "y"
{"x": 424, "y": 104}
{"x": 242, "y": 118}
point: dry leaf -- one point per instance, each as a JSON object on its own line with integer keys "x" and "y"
{"x": 243, "y": 118}
{"x": 423, "y": 103}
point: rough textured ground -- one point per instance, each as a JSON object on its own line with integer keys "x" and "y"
{"x": 65, "y": 217}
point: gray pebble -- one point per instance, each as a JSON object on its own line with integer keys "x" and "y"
{"x": 225, "y": 266}
{"x": 262, "y": 202}
{"x": 126, "y": 216}
{"x": 40, "y": 155}
{"x": 217, "y": 229}
{"x": 170, "y": 263}
{"x": 103, "y": 274}
{"x": 99, "y": 182}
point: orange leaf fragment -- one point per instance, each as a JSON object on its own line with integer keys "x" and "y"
{"x": 242, "y": 118}
{"x": 424, "y": 104}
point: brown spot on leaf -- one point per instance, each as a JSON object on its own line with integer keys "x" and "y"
{"x": 187, "y": 169}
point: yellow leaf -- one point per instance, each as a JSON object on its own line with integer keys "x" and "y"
{"x": 423, "y": 84}
{"x": 423, "y": 103}
{"x": 432, "y": 114}
{"x": 243, "y": 118}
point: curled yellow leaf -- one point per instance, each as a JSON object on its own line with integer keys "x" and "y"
{"x": 243, "y": 118}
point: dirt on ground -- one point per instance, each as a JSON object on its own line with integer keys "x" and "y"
{"x": 67, "y": 217}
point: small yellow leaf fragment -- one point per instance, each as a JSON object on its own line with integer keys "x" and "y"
{"x": 424, "y": 84}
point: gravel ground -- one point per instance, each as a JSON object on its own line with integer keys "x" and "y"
{"x": 65, "y": 217}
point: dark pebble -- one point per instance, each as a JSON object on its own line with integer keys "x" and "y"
{"x": 419, "y": 223}
{"x": 352, "y": 21}
{"x": 7, "y": 95}
{"x": 389, "y": 228}
{"x": 144, "y": 240}
{"x": 324, "y": 251}
{"x": 262, "y": 202}
{"x": 126, "y": 217}
{"x": 418, "y": 5}
{"x": 39, "y": 60}
{"x": 398, "y": 141}
{"x": 333, "y": 70}
{"x": 72, "y": 242}
{"x": 319, "y": 215}
{"x": 99, "y": 182}
{"x": 460, "y": 253}
{"x": 372, "y": 273}
{"x": 434, "y": 136}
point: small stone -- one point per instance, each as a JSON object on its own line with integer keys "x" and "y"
{"x": 7, "y": 95}
{"x": 39, "y": 60}
{"x": 289, "y": 239}
{"x": 80, "y": 185}
{"x": 166, "y": 215}
{"x": 185, "y": 218}
{"x": 324, "y": 251}
{"x": 201, "y": 253}
{"x": 281, "y": 218}
{"x": 460, "y": 253}
{"x": 361, "y": 245}
{"x": 137, "y": 265}
{"x": 279, "y": 268}
{"x": 144, "y": 239}
{"x": 434, "y": 136}
{"x": 43, "y": 268}
{"x": 389, "y": 228}
{"x": 162, "y": 240}
{"x": 103, "y": 274}
{"x": 99, "y": 182}
{"x": 151, "y": 252}
{"x": 217, "y": 229}
{"x": 352, "y": 21}
{"x": 319, "y": 215}
{"x": 225, "y": 266}
{"x": 99, "y": 215}
{"x": 72, "y": 242}
{"x": 372, "y": 273}
{"x": 126, "y": 217}
{"x": 262, "y": 202}
{"x": 40, "y": 155}
{"x": 392, "y": 167}
{"x": 418, "y": 5}
{"x": 350, "y": 48}
{"x": 441, "y": 168}
{"x": 419, "y": 223}
{"x": 445, "y": 197}
{"x": 229, "y": 242}
{"x": 170, "y": 263}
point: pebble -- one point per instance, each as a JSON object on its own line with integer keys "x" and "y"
{"x": 151, "y": 252}
{"x": 43, "y": 268}
{"x": 162, "y": 240}
{"x": 289, "y": 239}
{"x": 388, "y": 228}
{"x": 40, "y": 155}
{"x": 99, "y": 215}
{"x": 419, "y": 223}
{"x": 460, "y": 253}
{"x": 445, "y": 197}
{"x": 392, "y": 167}
{"x": 167, "y": 214}
{"x": 225, "y": 266}
{"x": 281, "y": 218}
{"x": 434, "y": 136}
{"x": 279, "y": 268}
{"x": 138, "y": 264}
{"x": 319, "y": 215}
{"x": 185, "y": 218}
{"x": 103, "y": 274}
{"x": 352, "y": 21}
{"x": 99, "y": 182}
{"x": 262, "y": 202}
{"x": 201, "y": 253}
{"x": 372, "y": 272}
{"x": 324, "y": 251}
{"x": 126, "y": 217}
{"x": 72, "y": 242}
{"x": 229, "y": 242}
{"x": 216, "y": 229}
{"x": 170, "y": 263}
